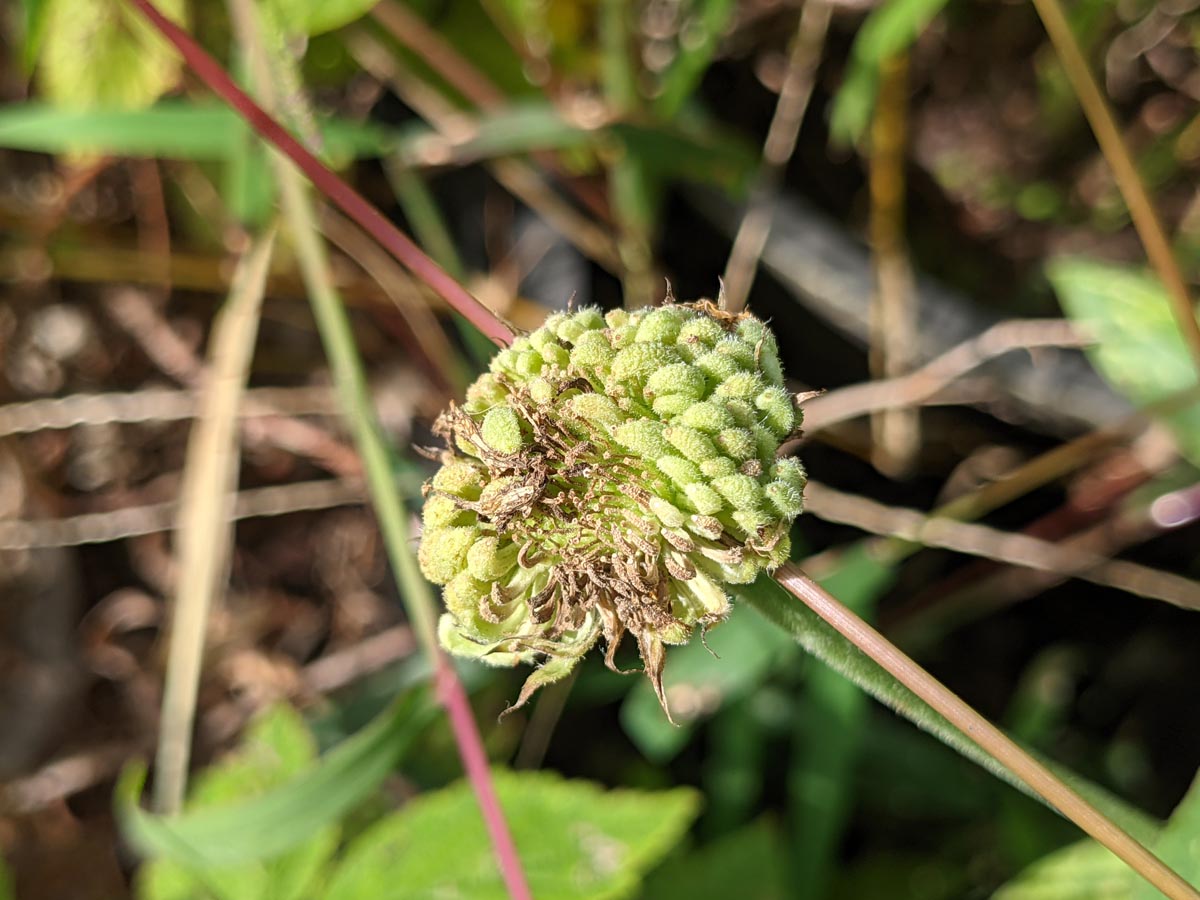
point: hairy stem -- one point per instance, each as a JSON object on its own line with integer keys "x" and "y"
{"x": 993, "y": 741}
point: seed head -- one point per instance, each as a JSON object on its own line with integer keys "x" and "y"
{"x": 610, "y": 475}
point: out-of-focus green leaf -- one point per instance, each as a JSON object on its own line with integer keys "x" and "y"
{"x": 101, "y": 54}
{"x": 518, "y": 128}
{"x": 317, "y": 16}
{"x": 1138, "y": 345}
{"x": 671, "y": 153}
{"x": 820, "y": 777}
{"x": 822, "y": 641}
{"x": 749, "y": 863}
{"x": 281, "y": 818}
{"x": 1082, "y": 871}
{"x": 576, "y": 841}
{"x": 171, "y": 129}
{"x": 890, "y": 29}
{"x": 33, "y": 28}
{"x": 699, "y": 679}
{"x": 7, "y": 891}
{"x": 1179, "y": 846}
{"x": 702, "y": 29}
{"x": 276, "y": 749}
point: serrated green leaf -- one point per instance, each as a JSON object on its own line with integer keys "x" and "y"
{"x": 1179, "y": 845}
{"x": 576, "y": 841}
{"x": 821, "y": 640}
{"x": 101, "y": 54}
{"x": 281, "y": 818}
{"x": 890, "y": 29}
{"x": 1138, "y": 348}
{"x": 277, "y": 748}
{"x": 1081, "y": 871}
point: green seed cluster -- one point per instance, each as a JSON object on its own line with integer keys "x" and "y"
{"x": 609, "y": 475}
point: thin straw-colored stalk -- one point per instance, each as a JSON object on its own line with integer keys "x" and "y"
{"x": 205, "y": 531}
{"x": 1141, "y": 209}
{"x": 993, "y": 741}
{"x": 329, "y": 184}
{"x": 782, "y": 133}
{"x": 896, "y": 433}
{"x": 351, "y": 384}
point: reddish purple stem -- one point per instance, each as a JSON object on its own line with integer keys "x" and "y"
{"x": 349, "y": 200}
{"x": 470, "y": 747}
{"x": 449, "y": 689}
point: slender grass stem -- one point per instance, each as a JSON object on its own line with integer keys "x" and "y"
{"x": 1141, "y": 208}
{"x": 351, "y": 383}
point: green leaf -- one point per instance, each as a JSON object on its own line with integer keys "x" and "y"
{"x": 317, "y": 16}
{"x": 101, "y": 54}
{"x": 820, "y": 780}
{"x": 172, "y": 129}
{"x": 750, "y": 862}
{"x": 822, "y": 641}
{"x": 576, "y": 841}
{"x": 285, "y": 816}
{"x": 278, "y": 747}
{"x": 1138, "y": 348}
{"x": 1088, "y": 871}
{"x": 700, "y": 679}
{"x": 890, "y": 29}
{"x": 1082, "y": 871}
{"x": 1179, "y": 846}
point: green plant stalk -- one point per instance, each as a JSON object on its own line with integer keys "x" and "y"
{"x": 351, "y": 384}
{"x": 1141, "y": 209}
{"x": 993, "y": 741}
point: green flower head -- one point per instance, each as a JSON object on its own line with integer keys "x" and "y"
{"x": 610, "y": 474}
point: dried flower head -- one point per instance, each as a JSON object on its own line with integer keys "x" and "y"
{"x": 610, "y": 474}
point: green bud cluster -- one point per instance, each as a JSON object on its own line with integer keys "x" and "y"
{"x": 610, "y": 474}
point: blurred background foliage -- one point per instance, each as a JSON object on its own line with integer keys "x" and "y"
{"x": 543, "y": 150}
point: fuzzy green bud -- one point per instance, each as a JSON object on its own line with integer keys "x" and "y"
{"x": 610, "y": 474}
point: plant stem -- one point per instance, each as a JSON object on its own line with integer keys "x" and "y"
{"x": 1133, "y": 189}
{"x": 205, "y": 530}
{"x": 351, "y": 383}
{"x": 993, "y": 741}
{"x": 778, "y": 148}
{"x": 338, "y": 191}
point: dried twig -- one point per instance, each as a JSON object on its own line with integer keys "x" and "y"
{"x": 204, "y": 535}
{"x": 990, "y": 543}
{"x": 153, "y": 405}
{"x": 101, "y": 527}
{"x": 919, "y": 386}
{"x": 777, "y": 150}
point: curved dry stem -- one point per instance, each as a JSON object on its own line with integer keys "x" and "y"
{"x": 1141, "y": 209}
{"x": 993, "y": 741}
